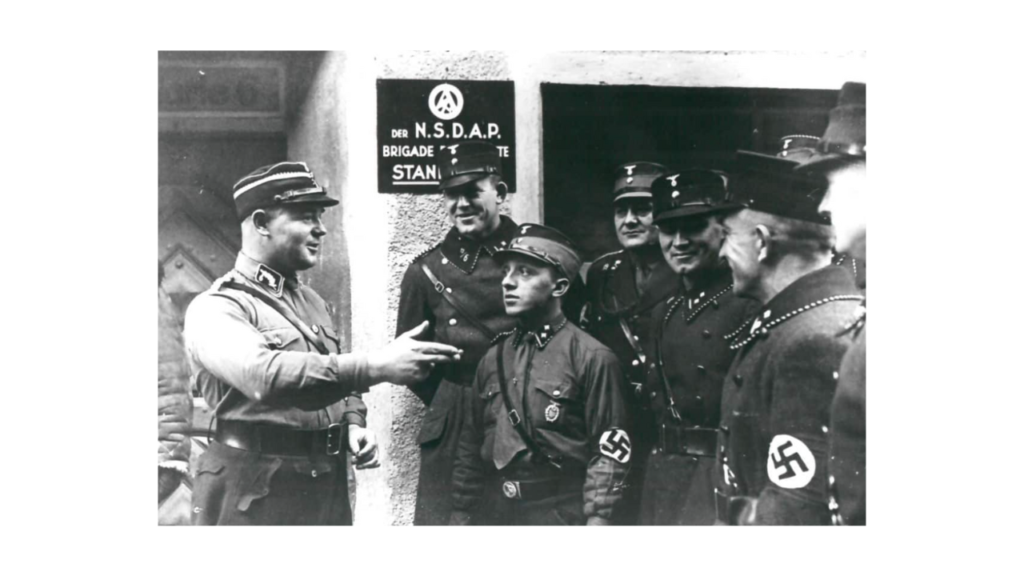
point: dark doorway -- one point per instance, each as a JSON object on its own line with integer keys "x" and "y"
{"x": 589, "y": 130}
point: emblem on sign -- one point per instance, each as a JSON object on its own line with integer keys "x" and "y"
{"x": 445, "y": 101}
{"x": 615, "y": 444}
{"x": 551, "y": 412}
{"x": 509, "y": 489}
{"x": 790, "y": 462}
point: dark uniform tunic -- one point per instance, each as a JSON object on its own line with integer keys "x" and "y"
{"x": 567, "y": 388}
{"x": 684, "y": 383}
{"x": 614, "y": 298}
{"x": 847, "y": 446}
{"x": 468, "y": 273}
{"x": 776, "y": 403}
{"x": 253, "y": 366}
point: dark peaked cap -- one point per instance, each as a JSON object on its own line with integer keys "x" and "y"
{"x": 688, "y": 193}
{"x": 467, "y": 162}
{"x": 281, "y": 184}
{"x": 770, "y": 184}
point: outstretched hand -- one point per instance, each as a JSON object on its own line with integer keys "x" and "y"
{"x": 406, "y": 360}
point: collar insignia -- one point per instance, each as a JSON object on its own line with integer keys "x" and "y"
{"x": 269, "y": 279}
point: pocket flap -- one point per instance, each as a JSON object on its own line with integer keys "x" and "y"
{"x": 208, "y": 466}
{"x": 319, "y": 466}
{"x": 281, "y": 338}
{"x": 433, "y": 425}
{"x": 555, "y": 390}
{"x": 489, "y": 391}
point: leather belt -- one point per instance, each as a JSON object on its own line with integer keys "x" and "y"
{"x": 280, "y": 440}
{"x": 688, "y": 441}
{"x": 536, "y": 489}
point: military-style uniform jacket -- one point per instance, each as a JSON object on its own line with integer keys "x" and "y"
{"x": 858, "y": 268}
{"x": 568, "y": 388}
{"x": 253, "y": 365}
{"x": 776, "y": 402}
{"x": 468, "y": 273}
{"x": 612, "y": 294}
{"x": 847, "y": 447}
{"x": 684, "y": 382}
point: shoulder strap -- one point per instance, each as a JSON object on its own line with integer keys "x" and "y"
{"x": 513, "y": 414}
{"x": 440, "y": 288}
{"x": 281, "y": 309}
{"x": 632, "y": 341}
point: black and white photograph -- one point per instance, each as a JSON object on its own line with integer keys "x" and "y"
{"x": 442, "y": 286}
{"x": 499, "y": 288}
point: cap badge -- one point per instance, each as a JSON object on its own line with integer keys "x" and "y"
{"x": 524, "y": 229}
{"x": 551, "y": 412}
{"x": 629, "y": 169}
{"x": 675, "y": 194}
{"x": 453, "y": 148}
{"x": 672, "y": 179}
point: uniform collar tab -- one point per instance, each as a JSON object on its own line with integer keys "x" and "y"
{"x": 542, "y": 335}
{"x": 463, "y": 252}
{"x": 269, "y": 279}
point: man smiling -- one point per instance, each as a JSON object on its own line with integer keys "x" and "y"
{"x": 456, "y": 285}
{"x": 264, "y": 353}
{"x": 623, "y": 287}
{"x": 777, "y": 393}
{"x": 690, "y": 355}
{"x": 545, "y": 440}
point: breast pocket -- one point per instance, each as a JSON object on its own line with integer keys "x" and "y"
{"x": 493, "y": 404}
{"x": 555, "y": 404}
{"x": 284, "y": 339}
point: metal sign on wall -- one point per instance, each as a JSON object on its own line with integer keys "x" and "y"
{"x": 415, "y": 118}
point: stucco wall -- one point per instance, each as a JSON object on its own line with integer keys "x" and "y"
{"x": 380, "y": 233}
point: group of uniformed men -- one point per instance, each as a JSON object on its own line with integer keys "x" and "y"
{"x": 710, "y": 372}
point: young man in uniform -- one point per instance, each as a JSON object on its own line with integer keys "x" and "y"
{"x": 545, "y": 441}
{"x": 456, "y": 285}
{"x": 777, "y": 393}
{"x": 623, "y": 287}
{"x": 263, "y": 351}
{"x": 842, "y": 159}
{"x": 689, "y": 354}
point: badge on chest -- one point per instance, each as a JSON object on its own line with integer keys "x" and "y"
{"x": 552, "y": 411}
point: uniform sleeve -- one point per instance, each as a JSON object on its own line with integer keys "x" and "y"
{"x": 607, "y": 433}
{"x": 468, "y": 469}
{"x": 221, "y": 339}
{"x": 174, "y": 398}
{"x": 802, "y": 389}
{"x": 413, "y": 309}
{"x": 355, "y": 411}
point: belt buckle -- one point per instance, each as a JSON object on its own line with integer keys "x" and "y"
{"x": 512, "y": 490}
{"x": 334, "y": 439}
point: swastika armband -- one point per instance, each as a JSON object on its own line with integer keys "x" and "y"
{"x": 615, "y": 444}
{"x": 790, "y": 462}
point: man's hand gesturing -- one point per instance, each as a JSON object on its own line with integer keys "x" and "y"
{"x": 406, "y": 360}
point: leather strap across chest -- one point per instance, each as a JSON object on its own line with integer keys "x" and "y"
{"x": 281, "y": 309}
{"x": 447, "y": 295}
